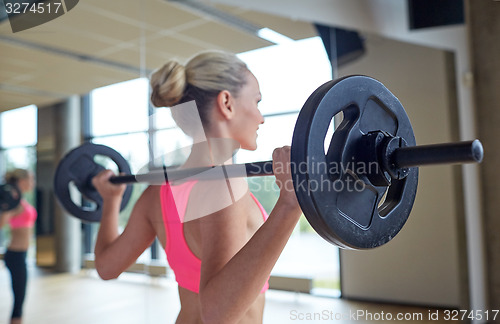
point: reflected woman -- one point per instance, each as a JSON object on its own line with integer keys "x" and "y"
{"x": 21, "y": 220}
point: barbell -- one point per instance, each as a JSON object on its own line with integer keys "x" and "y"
{"x": 10, "y": 197}
{"x": 356, "y": 194}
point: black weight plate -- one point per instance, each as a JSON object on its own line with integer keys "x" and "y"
{"x": 79, "y": 167}
{"x": 10, "y": 197}
{"x": 340, "y": 203}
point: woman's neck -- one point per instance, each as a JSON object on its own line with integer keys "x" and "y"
{"x": 214, "y": 151}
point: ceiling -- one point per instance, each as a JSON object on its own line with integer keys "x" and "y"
{"x": 98, "y": 43}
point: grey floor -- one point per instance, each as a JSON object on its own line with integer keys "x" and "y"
{"x": 133, "y": 298}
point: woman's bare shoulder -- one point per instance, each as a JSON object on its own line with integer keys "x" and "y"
{"x": 149, "y": 203}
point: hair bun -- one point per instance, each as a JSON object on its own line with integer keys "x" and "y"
{"x": 13, "y": 176}
{"x": 168, "y": 84}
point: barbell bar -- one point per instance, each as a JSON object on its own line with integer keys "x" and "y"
{"x": 405, "y": 157}
{"x": 375, "y": 132}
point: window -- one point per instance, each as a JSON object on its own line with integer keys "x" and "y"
{"x": 120, "y": 109}
{"x": 18, "y": 127}
{"x": 119, "y": 119}
{"x": 18, "y": 137}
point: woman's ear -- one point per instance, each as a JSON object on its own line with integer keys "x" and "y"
{"x": 225, "y": 104}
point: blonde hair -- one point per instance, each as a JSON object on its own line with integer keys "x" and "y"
{"x": 201, "y": 80}
{"x": 13, "y": 176}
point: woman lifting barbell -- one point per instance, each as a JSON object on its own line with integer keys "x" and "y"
{"x": 221, "y": 250}
{"x": 21, "y": 220}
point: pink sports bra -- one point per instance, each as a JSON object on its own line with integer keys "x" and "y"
{"x": 186, "y": 266}
{"x": 26, "y": 218}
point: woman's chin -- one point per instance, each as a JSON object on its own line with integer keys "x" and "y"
{"x": 249, "y": 147}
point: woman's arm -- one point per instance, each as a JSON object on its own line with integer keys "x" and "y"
{"x": 233, "y": 270}
{"x": 115, "y": 252}
{"x": 3, "y": 220}
{"x": 5, "y": 217}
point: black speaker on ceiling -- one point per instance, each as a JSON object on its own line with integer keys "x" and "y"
{"x": 434, "y": 13}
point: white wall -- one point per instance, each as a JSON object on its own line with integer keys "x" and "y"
{"x": 421, "y": 265}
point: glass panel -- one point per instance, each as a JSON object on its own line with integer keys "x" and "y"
{"x": 120, "y": 108}
{"x": 19, "y": 127}
{"x": 20, "y": 157}
{"x": 172, "y": 147}
{"x": 163, "y": 118}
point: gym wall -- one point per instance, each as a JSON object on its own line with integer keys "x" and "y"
{"x": 425, "y": 263}
{"x": 45, "y": 236}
